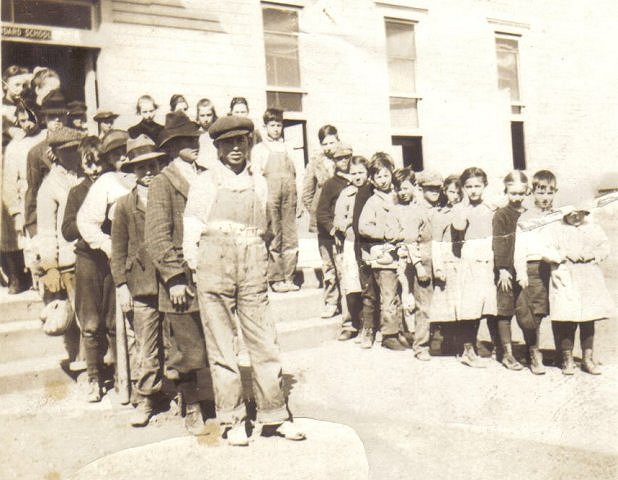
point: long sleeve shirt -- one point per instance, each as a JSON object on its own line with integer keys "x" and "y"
{"x": 325, "y": 213}
{"x": 504, "y": 225}
{"x": 344, "y": 208}
{"x": 98, "y": 210}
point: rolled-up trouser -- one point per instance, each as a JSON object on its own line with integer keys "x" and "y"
{"x": 95, "y": 303}
{"x": 231, "y": 279}
{"x": 390, "y": 302}
{"x": 332, "y": 293}
{"x": 283, "y": 247}
{"x": 147, "y": 323}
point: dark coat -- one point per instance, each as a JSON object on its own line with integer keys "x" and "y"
{"x": 69, "y": 229}
{"x": 167, "y": 199}
{"x": 504, "y": 225}
{"x": 37, "y": 167}
{"x": 152, "y": 130}
{"x": 130, "y": 262}
{"x": 325, "y": 212}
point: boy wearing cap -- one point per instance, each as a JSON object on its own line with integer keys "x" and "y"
{"x": 272, "y": 159}
{"x": 77, "y": 116}
{"x": 57, "y": 256}
{"x": 167, "y": 198}
{"x": 54, "y": 114}
{"x": 95, "y": 299}
{"x": 135, "y": 276}
{"x": 325, "y": 215}
{"x": 225, "y": 226}
{"x": 105, "y": 121}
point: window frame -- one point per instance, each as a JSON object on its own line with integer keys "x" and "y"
{"x": 276, "y": 88}
{"x": 408, "y": 95}
{"x": 519, "y": 104}
{"x": 92, "y": 4}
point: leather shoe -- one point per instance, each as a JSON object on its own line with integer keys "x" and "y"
{"x": 392, "y": 343}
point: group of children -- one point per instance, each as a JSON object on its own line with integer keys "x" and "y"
{"x": 421, "y": 257}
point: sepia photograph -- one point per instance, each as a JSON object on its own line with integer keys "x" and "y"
{"x": 309, "y": 240}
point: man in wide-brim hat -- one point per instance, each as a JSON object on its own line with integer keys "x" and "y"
{"x": 167, "y": 198}
{"x": 224, "y": 243}
{"x": 135, "y": 276}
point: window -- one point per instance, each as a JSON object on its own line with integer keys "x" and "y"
{"x": 55, "y": 13}
{"x": 401, "y": 58}
{"x": 411, "y": 151}
{"x": 282, "y": 64}
{"x": 507, "y": 54}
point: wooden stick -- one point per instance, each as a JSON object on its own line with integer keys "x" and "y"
{"x": 123, "y": 384}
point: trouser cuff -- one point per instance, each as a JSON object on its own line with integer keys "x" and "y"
{"x": 273, "y": 416}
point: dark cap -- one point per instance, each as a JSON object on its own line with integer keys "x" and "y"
{"x": 177, "y": 124}
{"x": 65, "y": 137}
{"x": 113, "y": 140}
{"x": 230, "y": 126}
{"x": 429, "y": 178}
{"x": 54, "y": 103}
{"x": 76, "y": 108}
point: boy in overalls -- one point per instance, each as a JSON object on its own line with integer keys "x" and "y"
{"x": 223, "y": 243}
{"x": 271, "y": 159}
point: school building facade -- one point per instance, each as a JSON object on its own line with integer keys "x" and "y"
{"x": 440, "y": 84}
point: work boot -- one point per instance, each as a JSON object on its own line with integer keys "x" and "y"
{"x": 279, "y": 287}
{"x": 236, "y": 435}
{"x": 536, "y": 361}
{"x": 291, "y": 286}
{"x": 508, "y": 360}
{"x": 194, "y": 423}
{"x": 470, "y": 357}
{"x": 94, "y": 390}
{"x": 347, "y": 335}
{"x": 588, "y": 364}
{"x": 329, "y": 310}
{"x": 290, "y": 431}
{"x": 366, "y": 337}
{"x": 568, "y": 365}
{"x": 392, "y": 343}
{"x": 142, "y": 413}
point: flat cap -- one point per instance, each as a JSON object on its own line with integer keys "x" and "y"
{"x": 343, "y": 150}
{"x": 54, "y": 103}
{"x": 76, "y": 108}
{"x": 65, "y": 137}
{"x": 429, "y": 178}
{"x": 230, "y": 126}
{"x": 113, "y": 140}
{"x": 105, "y": 115}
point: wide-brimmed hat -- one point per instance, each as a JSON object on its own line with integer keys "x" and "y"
{"x": 76, "y": 108}
{"x": 64, "y": 137}
{"x": 141, "y": 149}
{"x": 103, "y": 115}
{"x": 54, "y": 103}
{"x": 113, "y": 140}
{"x": 230, "y": 126}
{"x": 343, "y": 150}
{"x": 177, "y": 124}
{"x": 429, "y": 178}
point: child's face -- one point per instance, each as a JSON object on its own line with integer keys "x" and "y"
{"x": 358, "y": 175}
{"x": 147, "y": 110}
{"x": 382, "y": 180}
{"x": 474, "y": 188}
{"x": 181, "y": 107}
{"x": 515, "y": 192}
{"x": 90, "y": 164}
{"x": 329, "y": 145}
{"x": 240, "y": 110}
{"x": 205, "y": 116}
{"x": 106, "y": 125}
{"x": 453, "y": 195}
{"x": 16, "y": 85}
{"x": 431, "y": 193}
{"x": 544, "y": 194}
{"x": 342, "y": 164}
{"x": 274, "y": 129}
{"x": 406, "y": 192}
{"x": 146, "y": 171}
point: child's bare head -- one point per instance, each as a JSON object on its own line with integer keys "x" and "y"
{"x": 404, "y": 181}
{"x": 273, "y": 122}
{"x": 452, "y": 189}
{"x": 358, "y": 170}
{"x": 474, "y": 181}
{"x": 380, "y": 172}
{"x": 516, "y": 187}
{"x": 544, "y": 189}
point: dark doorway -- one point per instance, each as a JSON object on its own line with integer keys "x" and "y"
{"x": 70, "y": 63}
{"x": 519, "y": 150}
{"x": 295, "y": 134}
{"x": 411, "y": 150}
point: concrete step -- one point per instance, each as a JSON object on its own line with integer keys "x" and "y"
{"x": 42, "y": 367}
{"x": 28, "y": 305}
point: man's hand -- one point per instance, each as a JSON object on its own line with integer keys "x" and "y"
{"x": 523, "y": 281}
{"x": 53, "y": 281}
{"x": 505, "y": 280}
{"x": 125, "y": 298}
{"x": 180, "y": 296}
